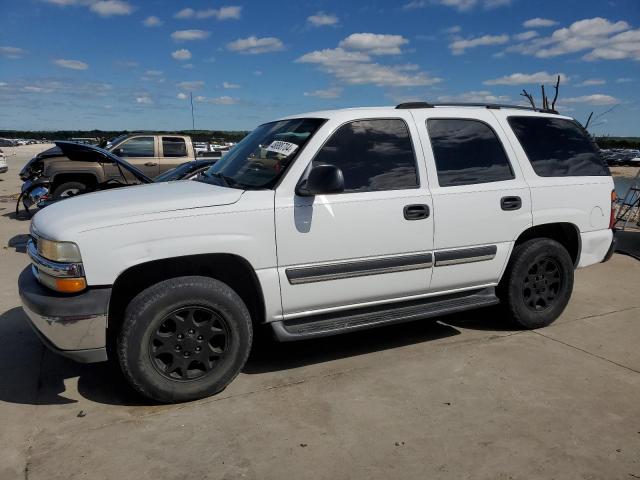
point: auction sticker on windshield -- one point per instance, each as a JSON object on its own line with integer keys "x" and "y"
{"x": 283, "y": 148}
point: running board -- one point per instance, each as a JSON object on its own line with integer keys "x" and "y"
{"x": 334, "y": 323}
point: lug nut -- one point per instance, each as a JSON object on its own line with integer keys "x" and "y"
{"x": 180, "y": 336}
{"x": 187, "y": 354}
{"x": 198, "y": 349}
{"x": 200, "y": 337}
{"x": 178, "y": 348}
{"x": 192, "y": 331}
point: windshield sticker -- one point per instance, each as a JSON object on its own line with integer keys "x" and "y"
{"x": 283, "y": 148}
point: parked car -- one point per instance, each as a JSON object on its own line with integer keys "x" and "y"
{"x": 4, "y": 167}
{"x": 149, "y": 153}
{"x": 319, "y": 224}
{"x": 38, "y": 192}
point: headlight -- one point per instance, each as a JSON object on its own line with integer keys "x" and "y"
{"x": 59, "y": 251}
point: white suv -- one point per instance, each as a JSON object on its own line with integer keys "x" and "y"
{"x": 319, "y": 224}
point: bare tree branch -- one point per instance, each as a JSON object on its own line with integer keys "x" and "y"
{"x": 586, "y": 125}
{"x": 529, "y": 97}
{"x": 544, "y": 98}
{"x": 607, "y": 111}
{"x": 555, "y": 97}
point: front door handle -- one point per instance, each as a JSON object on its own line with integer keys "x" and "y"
{"x": 510, "y": 203}
{"x": 416, "y": 212}
{"x": 151, "y": 164}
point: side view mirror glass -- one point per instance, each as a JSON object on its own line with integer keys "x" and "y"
{"x": 322, "y": 180}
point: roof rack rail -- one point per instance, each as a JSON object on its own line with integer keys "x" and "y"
{"x": 465, "y": 104}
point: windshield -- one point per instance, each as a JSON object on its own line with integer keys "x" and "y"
{"x": 263, "y": 156}
{"x": 115, "y": 141}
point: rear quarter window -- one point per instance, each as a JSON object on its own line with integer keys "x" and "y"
{"x": 557, "y": 147}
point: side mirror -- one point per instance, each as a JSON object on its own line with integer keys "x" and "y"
{"x": 323, "y": 179}
{"x": 117, "y": 152}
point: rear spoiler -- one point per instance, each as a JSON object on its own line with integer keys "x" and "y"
{"x": 90, "y": 153}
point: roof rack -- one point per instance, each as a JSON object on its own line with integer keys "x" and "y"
{"x": 496, "y": 106}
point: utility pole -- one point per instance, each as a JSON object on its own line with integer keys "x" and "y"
{"x": 193, "y": 120}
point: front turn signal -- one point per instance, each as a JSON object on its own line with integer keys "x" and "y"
{"x": 70, "y": 285}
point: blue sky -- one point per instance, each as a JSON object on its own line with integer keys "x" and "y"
{"x": 130, "y": 64}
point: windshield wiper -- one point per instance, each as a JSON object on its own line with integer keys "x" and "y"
{"x": 228, "y": 181}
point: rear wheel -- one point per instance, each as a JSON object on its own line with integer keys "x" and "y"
{"x": 69, "y": 189}
{"x": 184, "y": 338}
{"x": 538, "y": 283}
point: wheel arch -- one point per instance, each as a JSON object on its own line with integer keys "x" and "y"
{"x": 565, "y": 233}
{"x": 83, "y": 176}
{"x": 233, "y": 270}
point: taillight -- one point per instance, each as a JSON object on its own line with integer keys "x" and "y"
{"x": 612, "y": 218}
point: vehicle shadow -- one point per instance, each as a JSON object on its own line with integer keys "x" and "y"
{"x": 30, "y": 374}
{"x": 22, "y": 216}
{"x": 19, "y": 243}
{"x": 493, "y": 319}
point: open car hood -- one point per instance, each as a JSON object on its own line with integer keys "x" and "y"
{"x": 90, "y": 153}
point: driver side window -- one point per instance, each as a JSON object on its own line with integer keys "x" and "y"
{"x": 138, "y": 147}
{"x": 373, "y": 155}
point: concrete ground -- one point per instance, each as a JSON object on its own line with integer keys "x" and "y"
{"x": 462, "y": 397}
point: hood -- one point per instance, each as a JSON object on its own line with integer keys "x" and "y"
{"x": 117, "y": 206}
{"x": 87, "y": 153}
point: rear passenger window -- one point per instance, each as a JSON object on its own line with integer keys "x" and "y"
{"x": 174, "y": 147}
{"x": 557, "y": 147}
{"x": 467, "y": 152}
{"x": 138, "y": 147}
{"x": 372, "y": 154}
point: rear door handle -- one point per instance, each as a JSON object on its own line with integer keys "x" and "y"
{"x": 151, "y": 164}
{"x": 510, "y": 203}
{"x": 416, "y": 212}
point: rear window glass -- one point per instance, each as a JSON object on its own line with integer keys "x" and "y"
{"x": 174, "y": 147}
{"x": 466, "y": 152}
{"x": 557, "y": 147}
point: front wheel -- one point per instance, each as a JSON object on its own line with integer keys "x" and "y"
{"x": 538, "y": 283}
{"x": 184, "y": 338}
{"x": 69, "y": 189}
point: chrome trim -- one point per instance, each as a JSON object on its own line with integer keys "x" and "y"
{"x": 358, "y": 268}
{"x": 465, "y": 255}
{"x": 79, "y": 332}
{"x": 53, "y": 269}
{"x": 457, "y": 261}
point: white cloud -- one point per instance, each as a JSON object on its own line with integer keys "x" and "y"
{"x": 189, "y": 35}
{"x": 191, "y": 85}
{"x": 257, "y": 73}
{"x": 12, "y": 52}
{"x": 182, "y": 54}
{"x": 356, "y": 68}
{"x": 528, "y": 35}
{"x": 223, "y": 13}
{"x": 255, "y": 45}
{"x": 591, "y": 82}
{"x": 326, "y": 94}
{"x": 144, "y": 100}
{"x": 108, "y": 8}
{"x": 479, "y": 96}
{"x": 537, "y": 78}
{"x": 539, "y": 23}
{"x": 459, "y": 46}
{"x": 598, "y": 37}
{"x": 624, "y": 80}
{"x": 71, "y": 64}
{"x": 322, "y": 19}
{"x": 181, "y": 96}
{"x": 222, "y": 100}
{"x": 460, "y": 5}
{"x": 374, "y": 43}
{"x": 453, "y": 29}
{"x": 596, "y": 99}
{"x": 188, "y": 66}
{"x": 152, "y": 21}
{"x": 230, "y": 85}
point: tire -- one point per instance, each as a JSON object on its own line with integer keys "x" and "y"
{"x": 216, "y": 331}
{"x": 538, "y": 283}
{"x": 69, "y": 189}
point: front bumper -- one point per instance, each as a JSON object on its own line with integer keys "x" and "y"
{"x": 4, "y": 168}
{"x": 74, "y": 326}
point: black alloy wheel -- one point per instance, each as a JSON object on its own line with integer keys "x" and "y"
{"x": 542, "y": 284}
{"x": 189, "y": 343}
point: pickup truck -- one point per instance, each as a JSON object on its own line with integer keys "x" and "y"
{"x": 319, "y": 224}
{"x": 152, "y": 154}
